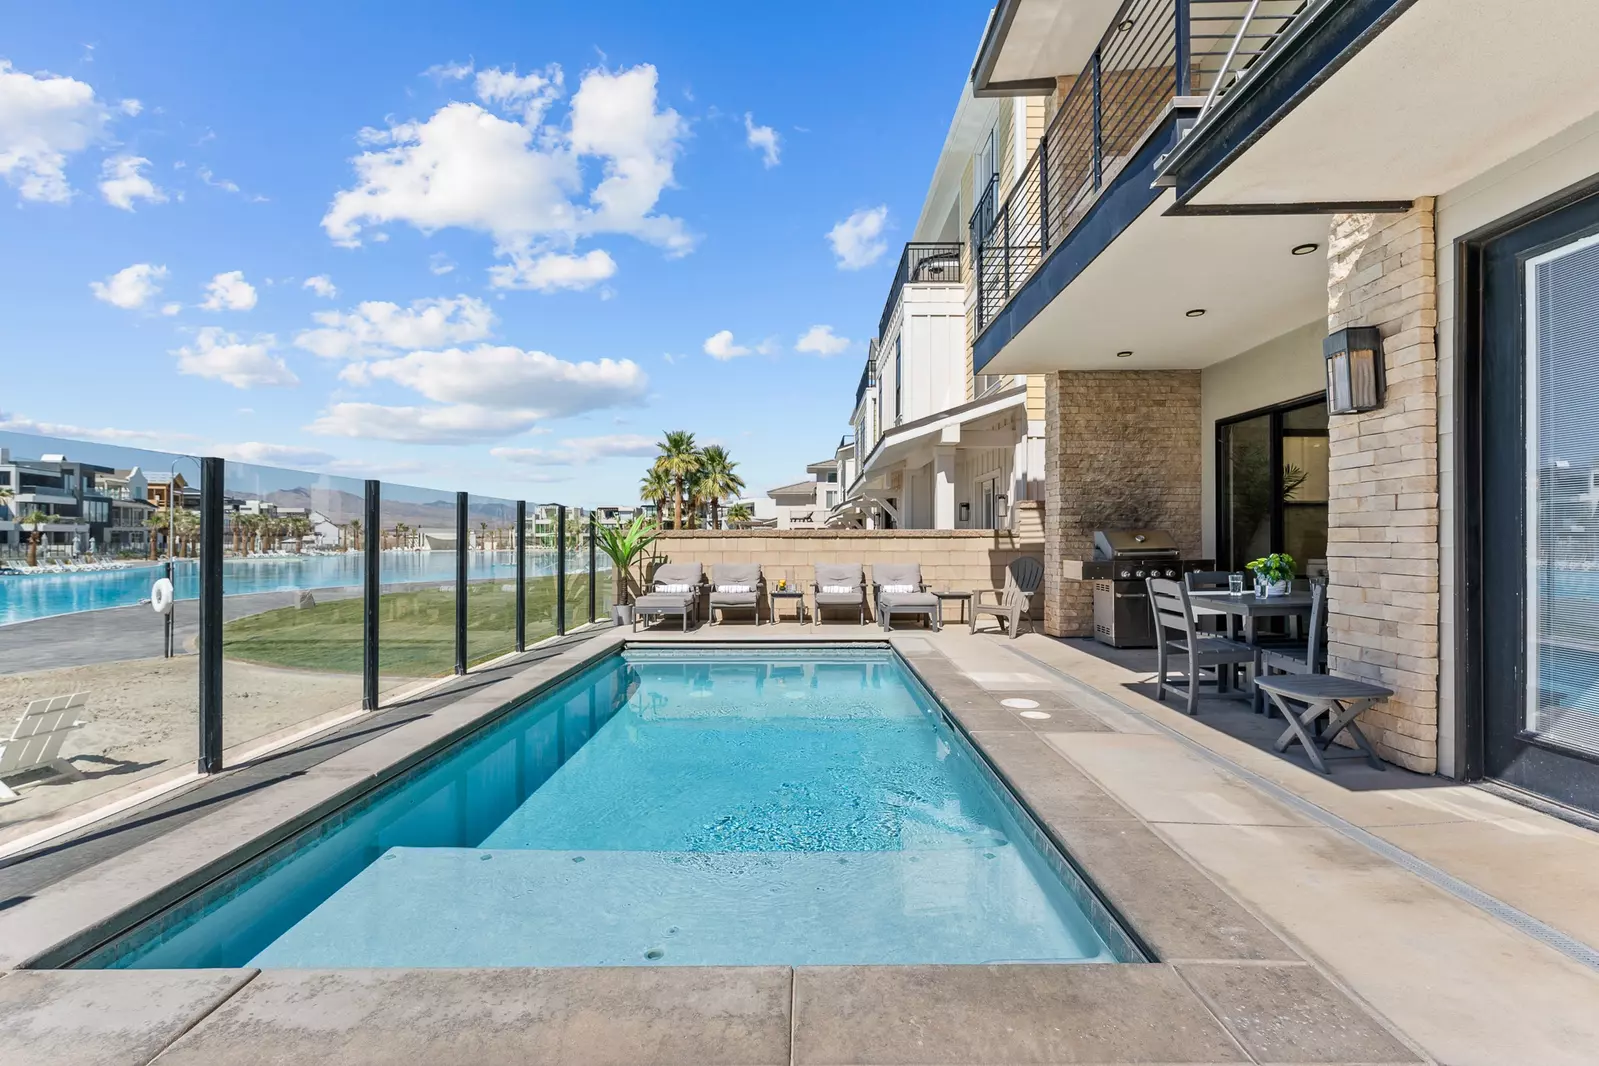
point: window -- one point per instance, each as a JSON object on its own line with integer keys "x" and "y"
{"x": 899, "y": 382}
{"x": 1272, "y": 485}
{"x": 1562, "y": 472}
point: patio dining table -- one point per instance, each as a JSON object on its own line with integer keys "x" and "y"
{"x": 1252, "y": 608}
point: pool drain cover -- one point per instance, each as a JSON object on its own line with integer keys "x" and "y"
{"x": 1018, "y": 703}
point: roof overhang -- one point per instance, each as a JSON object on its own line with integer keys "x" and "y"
{"x": 971, "y": 122}
{"x": 1029, "y": 42}
{"x": 1135, "y": 295}
{"x": 953, "y": 427}
{"x": 1374, "y": 103}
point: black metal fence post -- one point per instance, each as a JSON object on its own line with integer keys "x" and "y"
{"x": 1099, "y": 126}
{"x": 521, "y": 575}
{"x": 560, "y": 570}
{"x": 372, "y": 564}
{"x": 1043, "y": 196}
{"x": 594, "y": 574}
{"x": 460, "y": 582}
{"x": 212, "y": 479}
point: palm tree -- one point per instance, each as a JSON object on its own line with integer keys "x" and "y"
{"x": 739, "y": 512}
{"x": 681, "y": 461}
{"x": 352, "y": 530}
{"x": 717, "y": 480}
{"x": 186, "y": 526}
{"x": 400, "y": 529}
{"x": 158, "y": 527}
{"x": 298, "y": 528}
{"x": 35, "y": 520}
{"x": 656, "y": 487}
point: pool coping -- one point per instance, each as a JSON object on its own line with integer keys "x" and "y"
{"x": 1225, "y": 987}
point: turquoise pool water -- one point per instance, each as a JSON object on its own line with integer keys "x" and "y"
{"x": 682, "y": 807}
{"x": 25, "y": 597}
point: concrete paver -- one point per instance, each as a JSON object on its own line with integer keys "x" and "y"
{"x": 104, "y": 1017}
{"x": 979, "y": 1015}
{"x": 596, "y": 1016}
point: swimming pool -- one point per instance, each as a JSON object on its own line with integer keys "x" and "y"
{"x": 29, "y": 596}
{"x": 704, "y": 806}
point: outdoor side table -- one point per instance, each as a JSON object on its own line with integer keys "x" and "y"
{"x": 1341, "y": 699}
{"x": 797, "y": 595}
{"x": 965, "y": 599}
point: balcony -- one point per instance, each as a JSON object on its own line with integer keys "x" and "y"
{"x": 924, "y": 261}
{"x": 1157, "y": 59}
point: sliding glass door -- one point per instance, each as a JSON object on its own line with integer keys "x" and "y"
{"x": 1272, "y": 485}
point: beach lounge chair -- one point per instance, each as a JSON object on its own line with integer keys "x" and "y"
{"x": 838, "y": 585}
{"x": 36, "y": 741}
{"x": 674, "y": 590}
{"x": 736, "y": 586}
{"x": 900, "y": 590}
{"x": 1012, "y": 603}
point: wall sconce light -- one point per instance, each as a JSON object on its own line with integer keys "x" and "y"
{"x": 1001, "y": 506}
{"x": 966, "y": 512}
{"x": 1354, "y": 370}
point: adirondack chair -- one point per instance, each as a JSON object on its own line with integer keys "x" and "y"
{"x": 1010, "y": 604}
{"x": 37, "y": 739}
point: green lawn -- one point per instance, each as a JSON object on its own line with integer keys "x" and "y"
{"x": 416, "y": 630}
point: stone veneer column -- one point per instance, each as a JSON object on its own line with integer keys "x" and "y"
{"x": 1122, "y": 451}
{"x": 1382, "y": 540}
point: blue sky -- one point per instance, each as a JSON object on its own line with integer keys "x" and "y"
{"x": 532, "y": 223}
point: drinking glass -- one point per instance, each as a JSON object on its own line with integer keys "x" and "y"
{"x": 1235, "y": 584}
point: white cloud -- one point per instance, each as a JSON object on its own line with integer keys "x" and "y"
{"x": 507, "y": 377}
{"x": 130, "y": 107}
{"x": 530, "y": 95}
{"x": 720, "y": 345}
{"x": 121, "y": 182}
{"x": 554, "y": 271}
{"x": 222, "y": 356}
{"x": 857, "y": 241}
{"x": 578, "y": 450}
{"x": 44, "y": 119}
{"x": 520, "y": 182}
{"x": 23, "y": 424}
{"x": 452, "y": 71}
{"x": 252, "y": 451}
{"x": 131, "y": 287}
{"x": 377, "y": 327}
{"x": 455, "y": 424}
{"x": 763, "y": 139}
{"x": 821, "y": 340}
{"x": 171, "y": 309}
{"x": 229, "y": 292}
{"x": 439, "y": 263}
{"x": 322, "y": 285}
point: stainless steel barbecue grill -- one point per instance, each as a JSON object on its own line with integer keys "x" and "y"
{"x": 1122, "y": 560}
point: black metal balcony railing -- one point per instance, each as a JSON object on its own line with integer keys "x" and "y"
{"x": 868, "y": 374}
{"x": 922, "y": 261}
{"x": 1153, "y": 52}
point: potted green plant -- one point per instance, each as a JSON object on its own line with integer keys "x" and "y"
{"x": 624, "y": 546}
{"x": 1274, "y": 574}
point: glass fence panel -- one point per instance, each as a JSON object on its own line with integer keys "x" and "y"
{"x": 491, "y": 578}
{"x": 91, "y": 705}
{"x": 416, "y": 609}
{"x": 292, "y": 603}
{"x": 542, "y": 522}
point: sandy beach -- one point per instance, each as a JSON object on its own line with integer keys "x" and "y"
{"x": 143, "y": 720}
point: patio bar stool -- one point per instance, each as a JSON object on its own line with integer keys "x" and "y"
{"x": 1341, "y": 699}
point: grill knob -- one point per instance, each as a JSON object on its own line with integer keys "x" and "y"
{"x": 1171, "y": 573}
{"x": 1140, "y": 573}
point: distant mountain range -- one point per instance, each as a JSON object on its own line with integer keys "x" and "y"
{"x": 341, "y": 507}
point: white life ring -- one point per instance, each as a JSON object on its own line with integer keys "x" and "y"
{"x": 161, "y": 596}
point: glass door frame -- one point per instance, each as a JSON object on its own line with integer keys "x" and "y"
{"x": 1275, "y": 434}
{"x": 1491, "y": 678}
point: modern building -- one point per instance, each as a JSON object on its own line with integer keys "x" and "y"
{"x": 937, "y": 445}
{"x": 129, "y": 492}
{"x": 809, "y": 504}
{"x": 1323, "y": 277}
{"x": 75, "y": 511}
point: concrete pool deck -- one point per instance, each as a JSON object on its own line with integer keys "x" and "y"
{"x": 1280, "y": 939}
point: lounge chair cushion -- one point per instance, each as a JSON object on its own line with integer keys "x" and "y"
{"x": 840, "y": 590}
{"x": 846, "y": 574}
{"x": 744, "y": 577}
{"x": 679, "y": 574}
{"x": 732, "y": 589}
{"x": 656, "y": 600}
{"x": 895, "y": 589}
{"x": 830, "y": 599}
{"x": 908, "y": 601}
{"x": 672, "y": 588}
{"x": 890, "y": 574}
{"x": 734, "y": 599}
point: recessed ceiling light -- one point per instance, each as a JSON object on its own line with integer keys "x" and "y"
{"x": 1197, "y": 312}
{"x": 1125, "y": 25}
{"x": 1124, "y": 355}
{"x": 1304, "y": 249}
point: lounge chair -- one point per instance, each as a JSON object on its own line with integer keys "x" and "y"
{"x": 900, "y": 590}
{"x": 736, "y": 586}
{"x": 838, "y": 585}
{"x": 36, "y": 741}
{"x": 674, "y": 590}
{"x": 1013, "y": 602}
